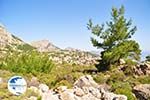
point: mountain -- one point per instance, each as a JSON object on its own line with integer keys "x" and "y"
{"x": 44, "y": 46}
{"x": 7, "y": 38}
{"x": 9, "y": 43}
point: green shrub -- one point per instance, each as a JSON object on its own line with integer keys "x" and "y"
{"x": 125, "y": 92}
{"x": 124, "y": 88}
{"x": 28, "y": 62}
{"x": 144, "y": 79}
{"x": 25, "y": 47}
{"x": 100, "y": 78}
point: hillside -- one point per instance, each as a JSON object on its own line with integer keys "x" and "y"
{"x": 59, "y": 74}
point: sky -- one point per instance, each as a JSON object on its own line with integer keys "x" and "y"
{"x": 63, "y": 22}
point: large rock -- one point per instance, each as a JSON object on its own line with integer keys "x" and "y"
{"x": 50, "y": 95}
{"x": 142, "y": 91}
{"x": 44, "y": 46}
{"x": 85, "y": 88}
{"x": 86, "y": 81}
{"x": 43, "y": 88}
{"x": 66, "y": 95}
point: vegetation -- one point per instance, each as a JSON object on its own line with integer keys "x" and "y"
{"x": 115, "y": 39}
{"x": 25, "y": 47}
{"x": 116, "y": 44}
{"x": 27, "y": 62}
{"x": 148, "y": 58}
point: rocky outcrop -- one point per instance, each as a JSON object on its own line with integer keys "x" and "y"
{"x": 68, "y": 55}
{"x": 142, "y": 69}
{"x": 7, "y": 38}
{"x": 73, "y": 57}
{"x": 85, "y": 88}
{"x": 142, "y": 91}
{"x": 44, "y": 46}
{"x": 138, "y": 69}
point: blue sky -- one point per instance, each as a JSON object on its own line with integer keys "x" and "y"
{"x": 63, "y": 22}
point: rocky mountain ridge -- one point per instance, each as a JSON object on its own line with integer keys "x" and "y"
{"x": 69, "y": 55}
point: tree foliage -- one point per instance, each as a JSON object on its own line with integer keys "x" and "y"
{"x": 148, "y": 58}
{"x": 115, "y": 39}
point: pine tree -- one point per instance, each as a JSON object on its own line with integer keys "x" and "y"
{"x": 148, "y": 58}
{"x": 115, "y": 39}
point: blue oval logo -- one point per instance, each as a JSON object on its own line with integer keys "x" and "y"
{"x": 17, "y": 85}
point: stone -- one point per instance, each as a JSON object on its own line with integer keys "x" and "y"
{"x": 89, "y": 97}
{"x": 112, "y": 96}
{"x": 1, "y": 80}
{"x": 85, "y": 81}
{"x": 95, "y": 92}
{"x": 67, "y": 96}
{"x": 43, "y": 87}
{"x": 142, "y": 91}
{"x": 34, "y": 82}
{"x": 61, "y": 89}
{"x": 78, "y": 92}
{"x": 122, "y": 61}
{"x": 50, "y": 96}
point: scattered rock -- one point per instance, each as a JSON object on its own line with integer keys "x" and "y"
{"x": 34, "y": 82}
{"x": 66, "y": 95}
{"x": 50, "y": 95}
{"x": 78, "y": 92}
{"x": 122, "y": 61}
{"x": 61, "y": 89}
{"x": 1, "y": 80}
{"x": 142, "y": 91}
{"x": 86, "y": 81}
{"x": 43, "y": 87}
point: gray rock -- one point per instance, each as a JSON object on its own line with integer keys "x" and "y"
{"x": 78, "y": 92}
{"x": 67, "y": 96}
{"x": 142, "y": 91}
{"x": 50, "y": 96}
{"x": 86, "y": 81}
{"x": 43, "y": 87}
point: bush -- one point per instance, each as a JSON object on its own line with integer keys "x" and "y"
{"x": 124, "y": 88}
{"x": 25, "y": 47}
{"x": 148, "y": 58}
{"x": 28, "y": 62}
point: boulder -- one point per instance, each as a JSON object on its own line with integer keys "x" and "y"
{"x": 86, "y": 81}
{"x": 43, "y": 88}
{"x": 61, "y": 89}
{"x": 66, "y": 95}
{"x": 50, "y": 95}
{"x": 122, "y": 61}
{"x": 142, "y": 91}
{"x": 78, "y": 92}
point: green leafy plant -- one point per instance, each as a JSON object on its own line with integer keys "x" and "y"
{"x": 148, "y": 58}
{"x": 28, "y": 62}
{"x": 115, "y": 39}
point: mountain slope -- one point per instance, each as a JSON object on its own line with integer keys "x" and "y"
{"x": 44, "y": 46}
